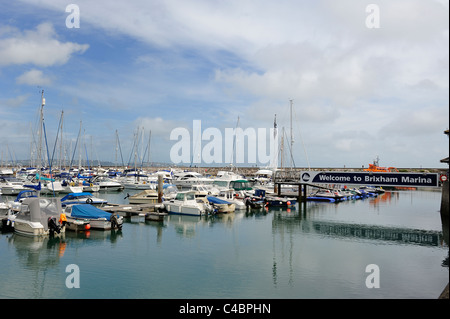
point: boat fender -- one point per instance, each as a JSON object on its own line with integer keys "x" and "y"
{"x": 89, "y": 201}
{"x": 62, "y": 219}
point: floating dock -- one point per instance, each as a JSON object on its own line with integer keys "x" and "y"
{"x": 150, "y": 211}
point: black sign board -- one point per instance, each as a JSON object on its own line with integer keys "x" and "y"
{"x": 370, "y": 178}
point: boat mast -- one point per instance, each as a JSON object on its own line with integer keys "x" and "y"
{"x": 61, "y": 142}
{"x": 116, "y": 151}
{"x": 40, "y": 134}
{"x": 292, "y": 136}
{"x": 282, "y": 148}
{"x": 148, "y": 154}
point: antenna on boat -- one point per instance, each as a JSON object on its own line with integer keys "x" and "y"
{"x": 292, "y": 136}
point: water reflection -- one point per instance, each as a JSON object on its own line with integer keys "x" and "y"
{"x": 297, "y": 222}
{"x": 313, "y": 251}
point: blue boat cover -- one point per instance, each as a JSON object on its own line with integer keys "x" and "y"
{"x": 89, "y": 211}
{"x": 74, "y": 195}
{"x": 216, "y": 200}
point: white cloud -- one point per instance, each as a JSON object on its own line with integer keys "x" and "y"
{"x": 16, "y": 101}
{"x": 39, "y": 47}
{"x": 33, "y": 77}
{"x": 248, "y": 58}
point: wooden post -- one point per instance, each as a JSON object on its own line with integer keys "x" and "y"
{"x": 160, "y": 188}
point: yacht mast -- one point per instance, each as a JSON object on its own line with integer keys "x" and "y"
{"x": 40, "y": 133}
{"x": 292, "y": 137}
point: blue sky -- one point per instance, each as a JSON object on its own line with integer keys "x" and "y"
{"x": 357, "y": 92}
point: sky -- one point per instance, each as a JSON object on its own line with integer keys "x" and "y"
{"x": 365, "y": 81}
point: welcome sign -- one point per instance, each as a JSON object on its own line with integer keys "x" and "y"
{"x": 371, "y": 178}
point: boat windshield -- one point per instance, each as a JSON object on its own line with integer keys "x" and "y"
{"x": 24, "y": 212}
{"x": 190, "y": 196}
{"x": 220, "y": 183}
{"x": 241, "y": 185}
{"x": 50, "y": 206}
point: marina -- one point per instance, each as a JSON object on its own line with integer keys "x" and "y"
{"x": 197, "y": 151}
{"x": 312, "y": 249}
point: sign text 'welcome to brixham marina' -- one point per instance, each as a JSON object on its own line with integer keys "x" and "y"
{"x": 376, "y": 179}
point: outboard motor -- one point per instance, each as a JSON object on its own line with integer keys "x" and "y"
{"x": 115, "y": 223}
{"x": 53, "y": 227}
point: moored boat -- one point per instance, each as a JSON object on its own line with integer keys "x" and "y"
{"x": 82, "y": 198}
{"x": 36, "y": 216}
{"x": 97, "y": 218}
{"x": 229, "y": 196}
{"x": 185, "y": 203}
{"x": 220, "y": 205}
{"x": 147, "y": 196}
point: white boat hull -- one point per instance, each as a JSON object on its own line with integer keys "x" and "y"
{"x": 184, "y": 209}
{"x": 33, "y": 229}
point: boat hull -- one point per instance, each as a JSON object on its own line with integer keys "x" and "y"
{"x": 74, "y": 224}
{"x": 183, "y": 209}
{"x": 33, "y": 229}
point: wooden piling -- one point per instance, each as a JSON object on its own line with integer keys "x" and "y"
{"x": 160, "y": 188}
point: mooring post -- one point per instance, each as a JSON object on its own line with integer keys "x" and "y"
{"x": 160, "y": 188}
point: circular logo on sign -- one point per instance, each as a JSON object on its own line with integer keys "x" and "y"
{"x": 443, "y": 178}
{"x": 305, "y": 177}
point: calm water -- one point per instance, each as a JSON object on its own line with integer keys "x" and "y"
{"x": 318, "y": 250}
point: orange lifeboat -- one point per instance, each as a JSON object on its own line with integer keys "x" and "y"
{"x": 375, "y": 168}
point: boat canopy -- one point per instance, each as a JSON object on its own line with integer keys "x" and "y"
{"x": 88, "y": 211}
{"x": 215, "y": 200}
{"x": 42, "y": 178}
{"x": 75, "y": 195}
{"x": 38, "y": 209}
{"x": 25, "y": 194}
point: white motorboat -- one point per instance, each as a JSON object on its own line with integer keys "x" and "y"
{"x": 53, "y": 187}
{"x": 90, "y": 187}
{"x": 37, "y": 216}
{"x": 82, "y": 198}
{"x": 200, "y": 190}
{"x": 229, "y": 196}
{"x": 71, "y": 189}
{"x": 187, "y": 179}
{"x": 136, "y": 184}
{"x": 185, "y": 203}
{"x": 107, "y": 184}
{"x": 220, "y": 205}
{"x": 170, "y": 191}
{"x": 11, "y": 186}
{"x": 228, "y": 175}
{"x": 97, "y": 218}
{"x": 4, "y": 209}
{"x": 147, "y": 196}
{"x": 327, "y": 194}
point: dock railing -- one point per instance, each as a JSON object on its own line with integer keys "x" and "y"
{"x": 287, "y": 176}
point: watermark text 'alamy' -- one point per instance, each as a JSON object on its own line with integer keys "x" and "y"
{"x": 224, "y": 147}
